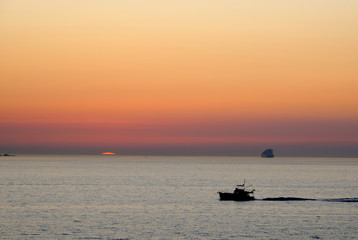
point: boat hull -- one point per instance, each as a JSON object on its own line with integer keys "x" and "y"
{"x": 235, "y": 197}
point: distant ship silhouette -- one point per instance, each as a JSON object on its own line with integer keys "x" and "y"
{"x": 268, "y": 153}
{"x": 7, "y": 155}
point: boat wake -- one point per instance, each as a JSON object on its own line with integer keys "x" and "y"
{"x": 341, "y": 200}
{"x": 288, "y": 199}
{"x": 311, "y": 199}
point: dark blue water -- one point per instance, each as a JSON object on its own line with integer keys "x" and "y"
{"x": 95, "y": 197}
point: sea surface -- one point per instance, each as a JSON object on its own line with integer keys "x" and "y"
{"x": 120, "y": 197}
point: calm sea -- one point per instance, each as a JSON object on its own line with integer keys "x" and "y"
{"x": 117, "y": 197}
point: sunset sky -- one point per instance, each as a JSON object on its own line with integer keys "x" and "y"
{"x": 181, "y": 77}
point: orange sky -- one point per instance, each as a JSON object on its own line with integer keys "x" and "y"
{"x": 144, "y": 73}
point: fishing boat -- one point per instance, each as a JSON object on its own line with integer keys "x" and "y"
{"x": 241, "y": 193}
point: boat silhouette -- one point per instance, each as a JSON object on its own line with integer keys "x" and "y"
{"x": 240, "y": 194}
{"x": 268, "y": 153}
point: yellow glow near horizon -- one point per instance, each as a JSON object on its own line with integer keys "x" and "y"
{"x": 108, "y": 153}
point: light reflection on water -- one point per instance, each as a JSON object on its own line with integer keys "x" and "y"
{"x": 97, "y": 197}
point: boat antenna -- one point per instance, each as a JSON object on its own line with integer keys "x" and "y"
{"x": 241, "y": 185}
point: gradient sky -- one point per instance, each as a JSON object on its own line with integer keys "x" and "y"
{"x": 179, "y": 77}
